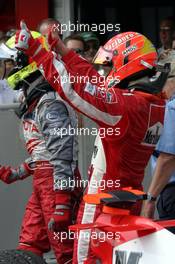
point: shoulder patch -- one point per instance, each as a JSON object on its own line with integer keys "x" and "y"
{"x": 91, "y": 89}
{"x": 52, "y": 116}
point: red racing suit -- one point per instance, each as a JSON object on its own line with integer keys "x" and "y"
{"x": 132, "y": 122}
{"x": 55, "y": 156}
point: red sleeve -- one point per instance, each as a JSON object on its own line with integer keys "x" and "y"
{"x": 78, "y": 82}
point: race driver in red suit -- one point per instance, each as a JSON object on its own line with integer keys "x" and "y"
{"x": 128, "y": 102}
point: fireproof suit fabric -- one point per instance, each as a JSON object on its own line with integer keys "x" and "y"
{"x": 55, "y": 155}
{"x": 47, "y": 137}
{"x": 34, "y": 235}
{"x": 132, "y": 122}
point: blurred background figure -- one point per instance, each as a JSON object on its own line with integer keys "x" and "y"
{"x": 7, "y": 94}
{"x": 50, "y": 24}
{"x": 76, "y": 43}
{"x": 6, "y": 67}
{"x": 173, "y": 43}
{"x": 92, "y": 44}
{"x": 2, "y": 35}
{"x": 10, "y": 33}
{"x": 47, "y": 24}
{"x": 166, "y": 34}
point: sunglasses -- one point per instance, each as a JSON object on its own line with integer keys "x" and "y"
{"x": 79, "y": 51}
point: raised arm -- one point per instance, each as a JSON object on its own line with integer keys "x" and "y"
{"x": 86, "y": 95}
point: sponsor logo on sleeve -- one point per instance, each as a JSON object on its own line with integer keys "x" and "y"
{"x": 154, "y": 128}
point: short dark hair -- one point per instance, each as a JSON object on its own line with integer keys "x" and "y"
{"x": 74, "y": 37}
{"x": 170, "y": 19}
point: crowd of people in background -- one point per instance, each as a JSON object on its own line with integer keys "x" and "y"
{"x": 87, "y": 43}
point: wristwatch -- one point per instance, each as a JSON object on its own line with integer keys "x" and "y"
{"x": 151, "y": 198}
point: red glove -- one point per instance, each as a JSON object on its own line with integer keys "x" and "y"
{"x": 52, "y": 38}
{"x": 25, "y": 42}
{"x": 9, "y": 175}
{"x": 62, "y": 217}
